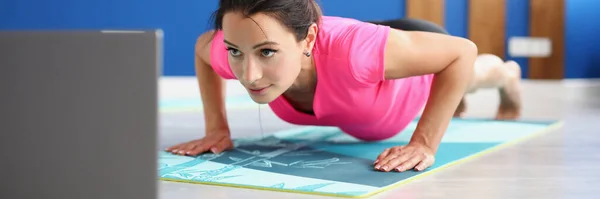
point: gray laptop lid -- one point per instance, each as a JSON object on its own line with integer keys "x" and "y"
{"x": 79, "y": 114}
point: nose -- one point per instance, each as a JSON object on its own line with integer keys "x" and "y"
{"x": 252, "y": 70}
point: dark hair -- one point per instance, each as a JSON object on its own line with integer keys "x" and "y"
{"x": 296, "y": 15}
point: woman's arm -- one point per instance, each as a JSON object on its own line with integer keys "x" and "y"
{"x": 217, "y": 138}
{"x": 211, "y": 86}
{"x": 451, "y": 59}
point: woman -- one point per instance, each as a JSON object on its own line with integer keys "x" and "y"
{"x": 367, "y": 79}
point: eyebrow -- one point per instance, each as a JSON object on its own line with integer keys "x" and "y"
{"x": 255, "y": 46}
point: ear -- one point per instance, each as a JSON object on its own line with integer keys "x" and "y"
{"x": 311, "y": 37}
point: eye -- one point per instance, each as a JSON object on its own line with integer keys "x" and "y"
{"x": 234, "y": 52}
{"x": 268, "y": 52}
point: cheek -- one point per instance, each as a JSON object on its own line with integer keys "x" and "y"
{"x": 282, "y": 68}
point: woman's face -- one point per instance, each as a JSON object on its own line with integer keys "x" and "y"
{"x": 263, "y": 55}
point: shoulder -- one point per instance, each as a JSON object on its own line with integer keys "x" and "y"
{"x": 202, "y": 47}
{"x": 211, "y": 50}
{"x": 360, "y": 44}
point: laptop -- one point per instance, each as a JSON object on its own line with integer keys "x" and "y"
{"x": 79, "y": 114}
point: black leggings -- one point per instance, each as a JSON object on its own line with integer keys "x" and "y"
{"x": 412, "y": 25}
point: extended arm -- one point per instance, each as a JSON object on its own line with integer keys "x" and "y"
{"x": 451, "y": 59}
{"x": 211, "y": 86}
{"x": 217, "y": 138}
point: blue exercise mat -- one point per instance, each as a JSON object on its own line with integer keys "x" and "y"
{"x": 325, "y": 161}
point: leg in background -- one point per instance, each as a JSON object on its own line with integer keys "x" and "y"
{"x": 492, "y": 72}
{"x": 510, "y": 94}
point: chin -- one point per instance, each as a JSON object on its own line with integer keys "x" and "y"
{"x": 262, "y": 99}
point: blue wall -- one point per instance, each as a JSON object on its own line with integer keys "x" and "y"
{"x": 517, "y": 24}
{"x": 364, "y": 10}
{"x": 183, "y": 21}
{"x": 582, "y": 40}
{"x": 456, "y": 17}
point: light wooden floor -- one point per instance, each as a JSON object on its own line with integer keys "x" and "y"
{"x": 564, "y": 163}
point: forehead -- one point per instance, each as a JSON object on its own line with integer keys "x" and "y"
{"x": 243, "y": 30}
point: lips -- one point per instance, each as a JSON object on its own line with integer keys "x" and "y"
{"x": 258, "y": 90}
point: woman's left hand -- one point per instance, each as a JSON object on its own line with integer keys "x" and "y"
{"x": 402, "y": 158}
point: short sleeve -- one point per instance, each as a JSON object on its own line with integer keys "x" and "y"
{"x": 219, "y": 57}
{"x": 363, "y": 45}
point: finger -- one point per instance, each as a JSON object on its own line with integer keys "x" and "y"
{"x": 384, "y": 161}
{"x": 409, "y": 164}
{"x": 199, "y": 148}
{"x": 395, "y": 152}
{"x": 383, "y": 165}
{"x": 182, "y": 149}
{"x": 177, "y": 148}
{"x": 424, "y": 164}
{"x": 171, "y": 148}
{"x": 389, "y": 151}
{"x": 395, "y": 162}
{"x": 383, "y": 154}
{"x": 189, "y": 148}
{"x": 224, "y": 144}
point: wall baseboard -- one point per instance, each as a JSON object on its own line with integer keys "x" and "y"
{"x": 581, "y": 82}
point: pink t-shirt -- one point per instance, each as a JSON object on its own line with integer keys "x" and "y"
{"x": 351, "y": 92}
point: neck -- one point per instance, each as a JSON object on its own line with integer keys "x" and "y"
{"x": 306, "y": 80}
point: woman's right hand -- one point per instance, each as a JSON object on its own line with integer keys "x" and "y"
{"x": 215, "y": 142}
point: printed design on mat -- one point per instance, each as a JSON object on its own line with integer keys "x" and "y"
{"x": 187, "y": 170}
{"x": 263, "y": 153}
{"x": 204, "y": 170}
{"x": 308, "y": 158}
{"x": 287, "y": 157}
{"x": 258, "y": 154}
{"x": 266, "y": 154}
{"x": 260, "y": 159}
{"x": 324, "y": 160}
